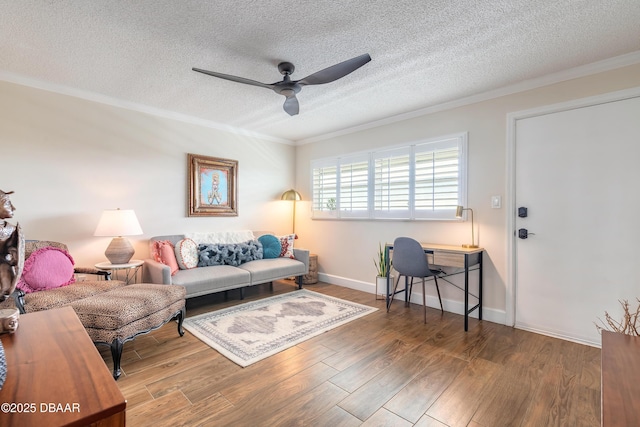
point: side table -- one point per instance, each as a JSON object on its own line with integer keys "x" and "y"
{"x": 129, "y": 269}
{"x": 311, "y": 277}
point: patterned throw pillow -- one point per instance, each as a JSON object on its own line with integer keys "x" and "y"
{"x": 46, "y": 268}
{"x": 187, "y": 254}
{"x": 230, "y": 254}
{"x": 287, "y": 246}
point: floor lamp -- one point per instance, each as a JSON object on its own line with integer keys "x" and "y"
{"x": 459, "y": 210}
{"x": 294, "y": 196}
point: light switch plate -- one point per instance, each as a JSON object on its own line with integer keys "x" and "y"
{"x": 496, "y": 202}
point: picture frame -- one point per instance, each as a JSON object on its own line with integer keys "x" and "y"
{"x": 213, "y": 186}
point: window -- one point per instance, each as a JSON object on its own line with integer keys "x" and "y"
{"x": 424, "y": 180}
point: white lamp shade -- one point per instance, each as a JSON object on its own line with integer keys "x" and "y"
{"x": 118, "y": 222}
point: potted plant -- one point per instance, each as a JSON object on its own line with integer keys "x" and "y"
{"x": 383, "y": 267}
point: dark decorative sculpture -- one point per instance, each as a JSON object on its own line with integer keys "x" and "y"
{"x": 11, "y": 258}
{"x": 11, "y": 264}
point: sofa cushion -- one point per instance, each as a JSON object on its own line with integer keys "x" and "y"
{"x": 229, "y": 254}
{"x": 186, "y": 254}
{"x": 271, "y": 246}
{"x": 46, "y": 268}
{"x": 205, "y": 280}
{"x": 60, "y": 297}
{"x": 267, "y": 270}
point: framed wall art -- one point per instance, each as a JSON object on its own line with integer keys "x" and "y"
{"x": 212, "y": 186}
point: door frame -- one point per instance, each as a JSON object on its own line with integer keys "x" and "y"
{"x": 512, "y": 120}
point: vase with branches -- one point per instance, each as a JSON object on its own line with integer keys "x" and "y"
{"x": 628, "y": 325}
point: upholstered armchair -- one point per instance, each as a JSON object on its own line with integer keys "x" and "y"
{"x": 111, "y": 312}
{"x": 57, "y": 296}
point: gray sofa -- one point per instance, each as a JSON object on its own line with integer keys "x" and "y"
{"x": 206, "y": 280}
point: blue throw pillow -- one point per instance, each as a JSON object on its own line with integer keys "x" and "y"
{"x": 271, "y": 246}
{"x": 228, "y": 254}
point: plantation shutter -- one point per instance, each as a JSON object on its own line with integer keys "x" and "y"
{"x": 325, "y": 186}
{"x": 392, "y": 183}
{"x": 437, "y": 178}
{"x": 354, "y": 187}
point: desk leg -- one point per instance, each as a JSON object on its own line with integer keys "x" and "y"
{"x": 386, "y": 260}
{"x": 466, "y": 292}
{"x": 480, "y": 286}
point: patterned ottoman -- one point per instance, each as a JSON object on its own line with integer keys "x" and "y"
{"x": 114, "y": 317}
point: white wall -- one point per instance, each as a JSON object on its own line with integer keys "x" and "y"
{"x": 346, "y": 248}
{"x": 67, "y": 159}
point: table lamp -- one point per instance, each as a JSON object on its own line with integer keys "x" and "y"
{"x": 294, "y": 196}
{"x": 117, "y": 223}
{"x": 459, "y": 210}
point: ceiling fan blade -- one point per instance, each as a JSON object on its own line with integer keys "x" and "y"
{"x": 335, "y": 72}
{"x": 234, "y": 78}
{"x": 291, "y": 105}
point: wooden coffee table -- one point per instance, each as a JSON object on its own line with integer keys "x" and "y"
{"x": 56, "y": 376}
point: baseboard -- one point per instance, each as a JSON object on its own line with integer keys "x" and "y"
{"x": 452, "y": 306}
{"x": 556, "y": 334}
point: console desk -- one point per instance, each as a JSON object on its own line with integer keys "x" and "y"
{"x": 451, "y": 256}
{"x": 55, "y": 375}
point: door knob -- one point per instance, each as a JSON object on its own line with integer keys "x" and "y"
{"x": 523, "y": 233}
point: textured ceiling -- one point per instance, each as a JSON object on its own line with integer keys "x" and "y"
{"x": 424, "y": 52}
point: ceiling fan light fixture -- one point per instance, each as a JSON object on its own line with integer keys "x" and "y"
{"x": 288, "y": 91}
{"x": 289, "y": 88}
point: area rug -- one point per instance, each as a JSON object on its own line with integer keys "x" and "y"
{"x": 252, "y": 331}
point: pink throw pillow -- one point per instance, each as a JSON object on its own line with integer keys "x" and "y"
{"x": 165, "y": 254}
{"x": 46, "y": 268}
{"x": 154, "y": 248}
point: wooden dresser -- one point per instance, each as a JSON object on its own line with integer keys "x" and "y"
{"x": 56, "y": 377}
{"x": 620, "y": 380}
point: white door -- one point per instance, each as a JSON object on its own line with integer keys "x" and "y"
{"x": 578, "y": 174}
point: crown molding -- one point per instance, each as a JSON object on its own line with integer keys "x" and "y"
{"x": 128, "y": 105}
{"x": 549, "y": 79}
{"x": 573, "y": 73}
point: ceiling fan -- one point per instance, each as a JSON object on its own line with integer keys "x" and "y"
{"x": 289, "y": 88}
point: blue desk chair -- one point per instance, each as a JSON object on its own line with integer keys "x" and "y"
{"x": 409, "y": 260}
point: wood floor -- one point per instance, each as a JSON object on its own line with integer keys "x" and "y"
{"x": 385, "y": 369}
